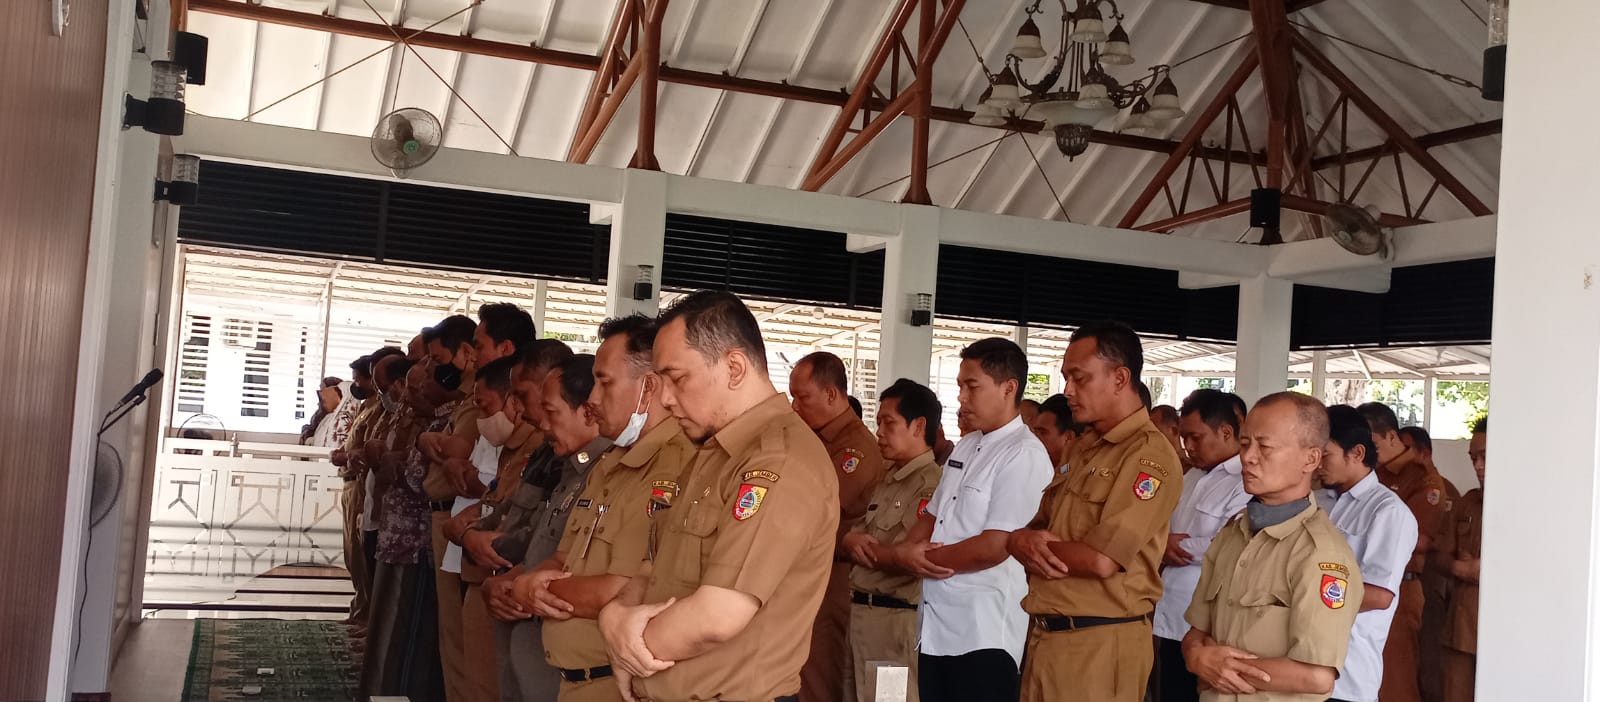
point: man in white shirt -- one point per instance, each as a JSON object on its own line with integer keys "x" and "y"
{"x": 1209, "y": 427}
{"x": 1056, "y": 429}
{"x": 973, "y": 626}
{"x": 1382, "y": 532}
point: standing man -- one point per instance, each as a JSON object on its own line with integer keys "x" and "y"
{"x": 1402, "y": 470}
{"x": 1461, "y": 551}
{"x": 1165, "y": 417}
{"x": 364, "y": 390}
{"x": 503, "y": 330}
{"x": 608, "y": 541}
{"x": 453, "y": 362}
{"x": 883, "y": 615}
{"x": 822, "y": 399}
{"x": 1279, "y": 588}
{"x": 1210, "y": 430}
{"x": 1381, "y": 532}
{"x": 743, "y": 554}
{"x": 1436, "y": 581}
{"x": 1094, "y": 548}
{"x": 973, "y": 628}
{"x": 1056, "y": 429}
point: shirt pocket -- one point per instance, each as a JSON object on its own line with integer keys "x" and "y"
{"x": 1266, "y": 621}
{"x": 1091, "y": 492}
{"x": 698, "y": 531}
{"x": 888, "y": 520}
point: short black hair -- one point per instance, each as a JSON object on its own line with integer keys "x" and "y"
{"x": 454, "y": 331}
{"x": 503, "y": 321}
{"x": 716, "y": 322}
{"x": 827, "y": 370}
{"x": 855, "y": 406}
{"x": 577, "y": 379}
{"x": 1419, "y": 438}
{"x": 916, "y": 402}
{"x": 1215, "y": 408}
{"x": 1058, "y": 406}
{"x": 1000, "y": 359}
{"x": 1240, "y": 407}
{"x": 540, "y": 356}
{"x": 497, "y": 374}
{"x": 401, "y": 368}
{"x": 1144, "y": 394}
{"x": 361, "y": 366}
{"x": 381, "y": 353}
{"x": 641, "y": 333}
{"x": 1379, "y": 417}
{"x": 1348, "y": 429}
{"x": 1116, "y": 342}
{"x": 1481, "y": 426}
{"x": 1164, "y": 415}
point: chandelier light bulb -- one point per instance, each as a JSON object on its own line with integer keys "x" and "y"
{"x": 1117, "y": 51}
{"x": 1004, "y": 95}
{"x": 1089, "y": 28}
{"x": 1164, "y": 104}
{"x": 1028, "y": 44}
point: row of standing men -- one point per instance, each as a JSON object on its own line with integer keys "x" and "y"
{"x": 657, "y": 522}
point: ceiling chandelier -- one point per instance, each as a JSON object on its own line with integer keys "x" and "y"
{"x": 1089, "y": 94}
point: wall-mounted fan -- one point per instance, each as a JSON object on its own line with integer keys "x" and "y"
{"x": 1358, "y": 231}
{"x": 406, "y": 138}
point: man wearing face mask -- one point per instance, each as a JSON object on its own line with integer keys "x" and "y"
{"x": 354, "y": 492}
{"x": 505, "y": 441}
{"x": 821, "y": 398}
{"x": 608, "y": 540}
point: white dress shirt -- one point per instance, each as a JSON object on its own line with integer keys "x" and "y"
{"x": 991, "y": 481}
{"x": 1382, "y": 533}
{"x": 485, "y": 458}
{"x": 1208, "y": 502}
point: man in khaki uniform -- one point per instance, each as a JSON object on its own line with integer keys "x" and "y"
{"x": 883, "y": 617}
{"x": 818, "y": 384}
{"x": 1402, "y": 470}
{"x": 1460, "y": 552}
{"x": 1436, "y": 581}
{"x": 744, "y": 552}
{"x": 1279, "y": 587}
{"x": 607, "y": 538}
{"x": 354, "y": 494}
{"x": 1094, "y": 549}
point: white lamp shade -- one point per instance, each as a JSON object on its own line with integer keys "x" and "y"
{"x": 1055, "y": 112}
{"x": 1089, "y": 31}
{"x": 1165, "y": 107}
{"x": 987, "y": 115}
{"x": 1139, "y": 123}
{"x": 1004, "y": 97}
{"x": 1116, "y": 53}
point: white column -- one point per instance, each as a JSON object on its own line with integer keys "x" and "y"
{"x": 541, "y": 294}
{"x": 910, "y": 266}
{"x": 1319, "y": 375}
{"x": 1538, "y": 630}
{"x": 1262, "y": 361}
{"x": 1430, "y": 387}
{"x": 638, "y": 233}
{"x": 1019, "y": 334}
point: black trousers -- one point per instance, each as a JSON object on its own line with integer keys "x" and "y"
{"x": 987, "y": 675}
{"x": 1172, "y": 681}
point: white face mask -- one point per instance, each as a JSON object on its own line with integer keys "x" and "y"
{"x": 390, "y": 404}
{"x": 497, "y": 429}
{"x": 636, "y": 421}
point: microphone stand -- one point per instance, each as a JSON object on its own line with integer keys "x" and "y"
{"x": 121, "y": 411}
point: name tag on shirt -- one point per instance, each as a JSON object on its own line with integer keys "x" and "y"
{"x": 958, "y": 465}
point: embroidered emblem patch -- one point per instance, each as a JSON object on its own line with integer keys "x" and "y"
{"x": 852, "y": 461}
{"x": 766, "y": 475}
{"x": 1433, "y": 496}
{"x": 1333, "y": 591}
{"x": 1335, "y": 567}
{"x": 1145, "y": 487}
{"x": 582, "y": 457}
{"x": 750, "y": 497}
{"x": 661, "y": 494}
{"x": 1152, "y": 464}
{"x": 922, "y": 508}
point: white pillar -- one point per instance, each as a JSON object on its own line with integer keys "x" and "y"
{"x": 541, "y": 295}
{"x": 638, "y": 234}
{"x": 1019, "y": 334}
{"x": 910, "y": 266}
{"x": 1319, "y": 375}
{"x": 1538, "y": 629}
{"x": 1430, "y": 387}
{"x": 1262, "y": 362}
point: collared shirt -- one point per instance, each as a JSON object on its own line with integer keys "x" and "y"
{"x": 1208, "y": 502}
{"x": 1423, "y": 492}
{"x": 608, "y": 532}
{"x": 366, "y": 416}
{"x": 1117, "y": 499}
{"x": 857, "y": 463}
{"x": 1382, "y": 533}
{"x": 549, "y": 519}
{"x": 896, "y": 506}
{"x": 991, "y": 482}
{"x": 404, "y": 522}
{"x": 1464, "y": 540}
{"x": 463, "y": 425}
{"x": 758, "y": 513}
{"x": 1290, "y": 590}
{"x": 485, "y": 459}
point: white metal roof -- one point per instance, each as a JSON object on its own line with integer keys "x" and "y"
{"x": 823, "y": 44}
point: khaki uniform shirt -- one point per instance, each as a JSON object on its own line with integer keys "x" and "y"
{"x": 1423, "y": 491}
{"x": 1464, "y": 539}
{"x": 608, "y": 532}
{"x": 857, "y": 462}
{"x": 513, "y": 457}
{"x": 548, "y": 520}
{"x": 463, "y": 424}
{"x": 1290, "y": 591}
{"x": 360, "y": 431}
{"x": 896, "y": 506}
{"x": 759, "y": 514}
{"x": 1118, "y": 498}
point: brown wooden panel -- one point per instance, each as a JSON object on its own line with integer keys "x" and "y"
{"x": 49, "y": 123}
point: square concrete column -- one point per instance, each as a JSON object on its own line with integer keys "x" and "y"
{"x": 1538, "y": 630}
{"x": 638, "y": 235}
{"x": 1261, "y": 363}
{"x": 910, "y": 266}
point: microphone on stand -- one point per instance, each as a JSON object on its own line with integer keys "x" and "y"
{"x": 132, "y": 399}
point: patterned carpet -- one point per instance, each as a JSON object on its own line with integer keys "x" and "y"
{"x": 309, "y": 660}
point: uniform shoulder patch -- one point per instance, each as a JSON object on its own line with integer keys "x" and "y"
{"x": 922, "y": 507}
{"x": 749, "y": 500}
{"x": 1333, "y": 591}
{"x": 1153, "y": 465}
{"x": 1434, "y": 495}
{"x": 850, "y": 460}
{"x": 1145, "y": 486}
{"x": 1335, "y": 567}
{"x": 766, "y": 475}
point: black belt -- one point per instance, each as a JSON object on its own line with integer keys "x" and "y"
{"x": 585, "y": 674}
{"x": 442, "y": 505}
{"x": 1058, "y": 622}
{"x": 885, "y": 601}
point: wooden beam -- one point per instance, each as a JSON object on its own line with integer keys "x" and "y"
{"x": 1205, "y": 214}
{"x": 1269, "y": 24}
{"x": 1298, "y": 5}
{"x": 1396, "y": 133}
{"x": 1247, "y": 65}
{"x": 922, "y": 105}
{"x": 881, "y": 51}
{"x": 644, "y": 153}
{"x": 1456, "y": 135}
{"x": 1290, "y": 6}
{"x": 603, "y": 82}
{"x": 583, "y": 148}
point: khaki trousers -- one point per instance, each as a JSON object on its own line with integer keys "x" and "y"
{"x": 1400, "y": 653}
{"x": 602, "y": 690}
{"x": 449, "y": 588}
{"x": 1100, "y": 664}
{"x": 1460, "y": 675}
{"x": 477, "y": 647}
{"x": 355, "y": 557}
{"x": 880, "y": 635}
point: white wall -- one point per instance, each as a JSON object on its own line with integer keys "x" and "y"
{"x": 1450, "y": 455}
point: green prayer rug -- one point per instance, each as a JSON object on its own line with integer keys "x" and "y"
{"x": 271, "y": 660}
